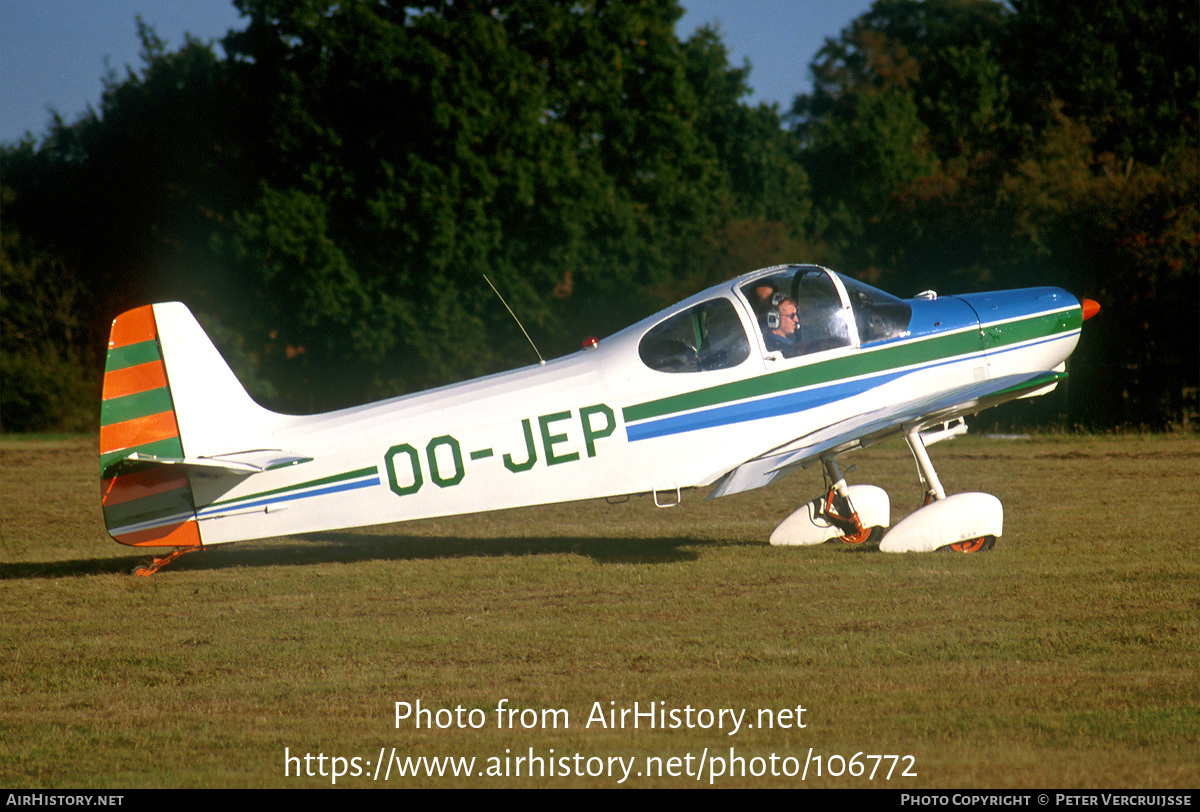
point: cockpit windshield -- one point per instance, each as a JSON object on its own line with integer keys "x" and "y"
{"x": 800, "y": 310}
{"x": 879, "y": 315}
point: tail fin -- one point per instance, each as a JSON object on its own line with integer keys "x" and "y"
{"x": 170, "y": 403}
{"x": 143, "y": 505}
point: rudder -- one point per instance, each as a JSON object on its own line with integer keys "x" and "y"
{"x": 144, "y": 504}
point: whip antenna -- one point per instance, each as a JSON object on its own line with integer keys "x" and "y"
{"x": 541, "y": 360}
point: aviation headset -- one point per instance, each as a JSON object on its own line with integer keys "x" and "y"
{"x": 774, "y": 318}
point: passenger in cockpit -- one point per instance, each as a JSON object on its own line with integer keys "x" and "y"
{"x": 761, "y": 297}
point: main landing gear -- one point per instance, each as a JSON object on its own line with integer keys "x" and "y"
{"x": 964, "y": 522}
{"x": 851, "y": 514}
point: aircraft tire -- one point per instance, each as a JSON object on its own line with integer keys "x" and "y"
{"x": 976, "y": 545}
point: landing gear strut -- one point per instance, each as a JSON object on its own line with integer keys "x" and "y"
{"x": 848, "y": 513}
{"x": 837, "y": 498}
{"x": 929, "y": 478}
{"x": 964, "y": 522}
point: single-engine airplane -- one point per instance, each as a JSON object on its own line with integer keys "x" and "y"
{"x": 728, "y": 389}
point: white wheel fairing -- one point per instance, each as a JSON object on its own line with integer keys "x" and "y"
{"x": 947, "y": 521}
{"x": 806, "y": 526}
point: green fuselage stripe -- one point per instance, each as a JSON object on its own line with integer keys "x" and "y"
{"x": 312, "y": 483}
{"x": 866, "y": 362}
{"x": 863, "y": 363}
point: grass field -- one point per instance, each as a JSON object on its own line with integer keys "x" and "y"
{"x": 1066, "y": 657}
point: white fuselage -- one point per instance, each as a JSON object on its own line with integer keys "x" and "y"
{"x": 597, "y": 423}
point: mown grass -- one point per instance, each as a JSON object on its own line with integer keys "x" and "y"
{"x": 1066, "y": 657}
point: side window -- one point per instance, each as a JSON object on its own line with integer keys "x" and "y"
{"x": 707, "y": 336}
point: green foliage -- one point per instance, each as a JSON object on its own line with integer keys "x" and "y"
{"x": 1127, "y": 69}
{"x": 878, "y": 145}
{"x": 1128, "y": 234}
{"x": 570, "y": 153}
{"x": 335, "y": 187}
{"x": 961, "y": 144}
{"x": 48, "y": 383}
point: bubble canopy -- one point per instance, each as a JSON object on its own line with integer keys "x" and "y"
{"x": 792, "y": 311}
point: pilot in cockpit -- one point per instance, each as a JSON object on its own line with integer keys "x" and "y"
{"x": 781, "y": 328}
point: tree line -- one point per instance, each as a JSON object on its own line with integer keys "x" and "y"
{"x": 328, "y": 188}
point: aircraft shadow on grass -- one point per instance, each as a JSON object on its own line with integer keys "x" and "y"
{"x": 351, "y": 548}
{"x": 355, "y": 548}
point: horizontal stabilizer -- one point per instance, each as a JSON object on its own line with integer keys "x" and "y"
{"x": 242, "y": 463}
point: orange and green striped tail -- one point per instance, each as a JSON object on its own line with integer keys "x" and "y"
{"x": 145, "y": 503}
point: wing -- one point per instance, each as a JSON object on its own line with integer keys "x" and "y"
{"x": 879, "y": 424}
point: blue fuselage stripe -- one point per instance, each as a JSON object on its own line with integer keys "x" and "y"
{"x": 787, "y": 403}
{"x": 796, "y": 400}
{"x": 339, "y": 488}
